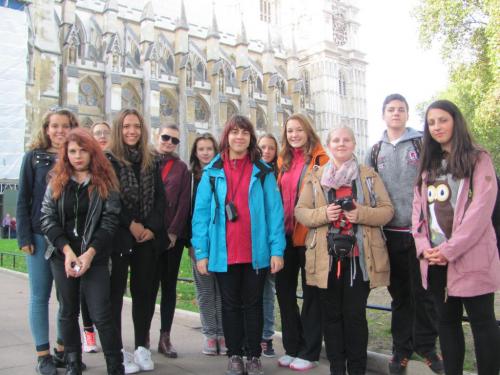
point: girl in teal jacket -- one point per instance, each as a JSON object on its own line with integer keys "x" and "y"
{"x": 238, "y": 233}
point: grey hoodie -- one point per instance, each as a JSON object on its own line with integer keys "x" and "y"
{"x": 398, "y": 168}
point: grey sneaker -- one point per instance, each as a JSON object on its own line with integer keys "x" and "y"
{"x": 235, "y": 365}
{"x": 209, "y": 346}
{"x": 254, "y": 367}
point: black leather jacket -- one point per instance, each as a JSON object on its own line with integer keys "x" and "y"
{"x": 101, "y": 221}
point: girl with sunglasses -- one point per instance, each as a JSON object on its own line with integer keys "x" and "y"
{"x": 176, "y": 181}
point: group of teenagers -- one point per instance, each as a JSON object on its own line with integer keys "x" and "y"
{"x": 95, "y": 206}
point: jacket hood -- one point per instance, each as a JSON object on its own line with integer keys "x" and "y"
{"x": 410, "y": 133}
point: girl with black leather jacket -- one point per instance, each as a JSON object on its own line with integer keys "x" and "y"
{"x": 79, "y": 217}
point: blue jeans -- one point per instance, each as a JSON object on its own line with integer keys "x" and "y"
{"x": 268, "y": 307}
{"x": 40, "y": 279}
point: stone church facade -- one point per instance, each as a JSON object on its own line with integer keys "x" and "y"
{"x": 97, "y": 57}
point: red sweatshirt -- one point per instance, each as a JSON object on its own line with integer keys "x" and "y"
{"x": 289, "y": 182}
{"x": 238, "y": 233}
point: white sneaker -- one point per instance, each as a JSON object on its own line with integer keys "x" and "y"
{"x": 285, "y": 360}
{"x": 300, "y": 364}
{"x": 142, "y": 358}
{"x": 129, "y": 364}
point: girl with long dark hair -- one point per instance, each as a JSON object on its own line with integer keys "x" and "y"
{"x": 140, "y": 235}
{"x": 208, "y": 295}
{"x": 37, "y": 162}
{"x": 238, "y": 234}
{"x": 456, "y": 243}
{"x": 301, "y": 151}
{"x": 79, "y": 217}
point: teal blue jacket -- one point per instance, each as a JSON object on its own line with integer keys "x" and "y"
{"x": 209, "y": 217}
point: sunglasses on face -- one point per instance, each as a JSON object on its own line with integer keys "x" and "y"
{"x": 166, "y": 138}
{"x": 102, "y": 133}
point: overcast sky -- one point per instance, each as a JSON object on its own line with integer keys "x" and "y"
{"x": 396, "y": 62}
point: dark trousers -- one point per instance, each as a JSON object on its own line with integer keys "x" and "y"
{"x": 301, "y": 330}
{"x": 86, "y": 320}
{"x": 413, "y": 324}
{"x": 94, "y": 284}
{"x": 143, "y": 262}
{"x": 481, "y": 313}
{"x": 242, "y": 290}
{"x": 343, "y": 308}
{"x": 168, "y": 271}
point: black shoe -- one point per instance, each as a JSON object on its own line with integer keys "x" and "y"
{"x": 73, "y": 363}
{"x": 254, "y": 367}
{"x": 398, "y": 364}
{"x": 267, "y": 348}
{"x": 60, "y": 362}
{"x": 114, "y": 364}
{"x": 435, "y": 362}
{"x": 45, "y": 365}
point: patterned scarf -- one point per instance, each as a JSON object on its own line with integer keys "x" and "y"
{"x": 334, "y": 178}
{"x": 138, "y": 196}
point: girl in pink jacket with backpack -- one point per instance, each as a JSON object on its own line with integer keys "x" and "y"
{"x": 454, "y": 236}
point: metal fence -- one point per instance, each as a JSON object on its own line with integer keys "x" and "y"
{"x": 15, "y": 256}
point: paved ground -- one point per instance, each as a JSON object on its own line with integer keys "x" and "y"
{"x": 17, "y": 355}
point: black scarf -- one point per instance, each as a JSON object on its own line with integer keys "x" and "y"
{"x": 137, "y": 195}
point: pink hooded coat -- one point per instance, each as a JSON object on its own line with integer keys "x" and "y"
{"x": 473, "y": 261}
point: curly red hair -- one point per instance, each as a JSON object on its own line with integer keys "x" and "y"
{"x": 102, "y": 175}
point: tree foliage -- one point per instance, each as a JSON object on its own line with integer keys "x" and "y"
{"x": 468, "y": 33}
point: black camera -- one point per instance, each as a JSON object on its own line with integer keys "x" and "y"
{"x": 345, "y": 203}
{"x": 231, "y": 212}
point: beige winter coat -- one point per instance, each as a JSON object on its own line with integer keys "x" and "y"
{"x": 311, "y": 211}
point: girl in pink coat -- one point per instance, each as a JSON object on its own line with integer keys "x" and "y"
{"x": 456, "y": 243}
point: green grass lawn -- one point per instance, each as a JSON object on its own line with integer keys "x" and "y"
{"x": 378, "y": 322}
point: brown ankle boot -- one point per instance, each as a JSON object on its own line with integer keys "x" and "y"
{"x": 165, "y": 346}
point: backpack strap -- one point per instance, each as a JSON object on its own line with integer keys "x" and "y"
{"x": 264, "y": 170}
{"x": 374, "y": 155}
{"x": 212, "y": 186}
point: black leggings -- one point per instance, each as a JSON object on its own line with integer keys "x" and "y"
{"x": 143, "y": 262}
{"x": 481, "y": 313}
{"x": 168, "y": 271}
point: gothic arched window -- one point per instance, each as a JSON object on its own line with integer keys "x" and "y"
{"x": 87, "y": 94}
{"x": 231, "y": 110}
{"x": 200, "y": 72}
{"x": 342, "y": 84}
{"x": 130, "y": 99}
{"x": 168, "y": 108}
{"x": 259, "y": 85}
{"x": 201, "y": 113}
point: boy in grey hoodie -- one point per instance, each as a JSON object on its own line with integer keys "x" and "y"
{"x": 396, "y": 159}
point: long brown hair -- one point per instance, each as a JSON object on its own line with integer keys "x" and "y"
{"x": 41, "y": 140}
{"x": 463, "y": 155}
{"x": 194, "y": 162}
{"x": 240, "y": 122}
{"x": 313, "y": 140}
{"x": 119, "y": 149}
{"x": 102, "y": 175}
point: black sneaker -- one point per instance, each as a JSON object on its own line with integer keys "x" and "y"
{"x": 60, "y": 362}
{"x": 45, "y": 365}
{"x": 398, "y": 364}
{"x": 235, "y": 366}
{"x": 267, "y": 348}
{"x": 435, "y": 362}
{"x": 254, "y": 367}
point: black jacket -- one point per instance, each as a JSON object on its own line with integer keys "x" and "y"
{"x": 100, "y": 224}
{"x": 124, "y": 242}
{"x": 32, "y": 184}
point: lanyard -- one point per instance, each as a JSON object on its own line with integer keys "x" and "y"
{"x": 233, "y": 191}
